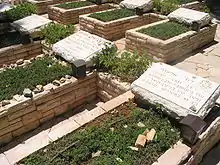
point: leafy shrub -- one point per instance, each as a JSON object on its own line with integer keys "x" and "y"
{"x": 77, "y": 4}
{"x": 165, "y": 6}
{"x": 53, "y": 33}
{"x": 42, "y": 71}
{"x": 20, "y": 11}
{"x": 126, "y": 65}
{"x": 107, "y": 16}
{"x": 204, "y": 8}
{"x": 165, "y": 30}
{"x": 112, "y": 144}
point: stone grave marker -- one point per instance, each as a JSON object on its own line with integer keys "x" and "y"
{"x": 80, "y": 46}
{"x": 190, "y": 17}
{"x": 180, "y": 93}
{"x": 31, "y": 24}
{"x": 145, "y": 5}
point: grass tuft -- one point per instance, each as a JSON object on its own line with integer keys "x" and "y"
{"x": 165, "y": 31}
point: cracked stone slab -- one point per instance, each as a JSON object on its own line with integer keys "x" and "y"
{"x": 180, "y": 93}
{"x": 189, "y": 16}
{"x": 81, "y": 45}
{"x": 31, "y": 24}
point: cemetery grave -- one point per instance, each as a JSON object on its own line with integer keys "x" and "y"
{"x": 68, "y": 13}
{"x": 168, "y": 41}
{"x": 20, "y": 39}
{"x": 112, "y": 24}
{"x": 113, "y": 136}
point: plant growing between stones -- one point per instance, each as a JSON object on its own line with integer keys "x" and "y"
{"x": 20, "y": 11}
{"x": 53, "y": 33}
{"x": 126, "y": 65}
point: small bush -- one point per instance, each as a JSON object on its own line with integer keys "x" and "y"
{"x": 165, "y": 6}
{"x": 20, "y": 11}
{"x": 53, "y": 33}
{"x": 72, "y": 5}
{"x": 42, "y": 71}
{"x": 127, "y": 66}
{"x": 165, "y": 31}
{"x": 107, "y": 16}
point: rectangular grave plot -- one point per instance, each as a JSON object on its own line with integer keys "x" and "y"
{"x": 71, "y": 16}
{"x": 115, "y": 29}
{"x": 171, "y": 49}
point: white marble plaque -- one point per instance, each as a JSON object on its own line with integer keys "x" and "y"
{"x": 176, "y": 89}
{"x": 31, "y": 23}
{"x": 80, "y": 45}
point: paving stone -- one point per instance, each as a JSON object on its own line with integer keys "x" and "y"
{"x": 62, "y": 129}
{"x": 175, "y": 155}
{"x": 28, "y": 147}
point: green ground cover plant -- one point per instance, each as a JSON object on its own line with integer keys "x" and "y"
{"x": 41, "y": 71}
{"x": 115, "y": 14}
{"x": 165, "y": 30}
{"x": 53, "y": 33}
{"x": 20, "y": 11}
{"x": 126, "y": 65}
{"x": 72, "y": 5}
{"x": 112, "y": 134}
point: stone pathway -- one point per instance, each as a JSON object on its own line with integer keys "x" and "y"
{"x": 205, "y": 62}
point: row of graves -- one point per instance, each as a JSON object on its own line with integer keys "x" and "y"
{"x": 188, "y": 101}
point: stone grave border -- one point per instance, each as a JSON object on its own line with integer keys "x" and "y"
{"x": 11, "y": 54}
{"x": 171, "y": 49}
{"x": 42, "y": 5}
{"x": 116, "y": 29}
{"x": 71, "y": 16}
{"x": 25, "y": 114}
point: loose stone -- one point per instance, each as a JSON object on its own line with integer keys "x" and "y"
{"x": 5, "y": 102}
{"x": 150, "y": 135}
{"x": 96, "y": 154}
{"x": 20, "y": 62}
{"x": 62, "y": 80}
{"x": 141, "y": 141}
{"x": 27, "y": 92}
{"x": 56, "y": 82}
{"x": 141, "y": 125}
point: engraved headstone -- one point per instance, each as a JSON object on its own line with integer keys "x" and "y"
{"x": 190, "y": 17}
{"x": 180, "y": 93}
{"x": 31, "y": 24}
{"x": 80, "y": 45}
{"x": 145, "y": 5}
